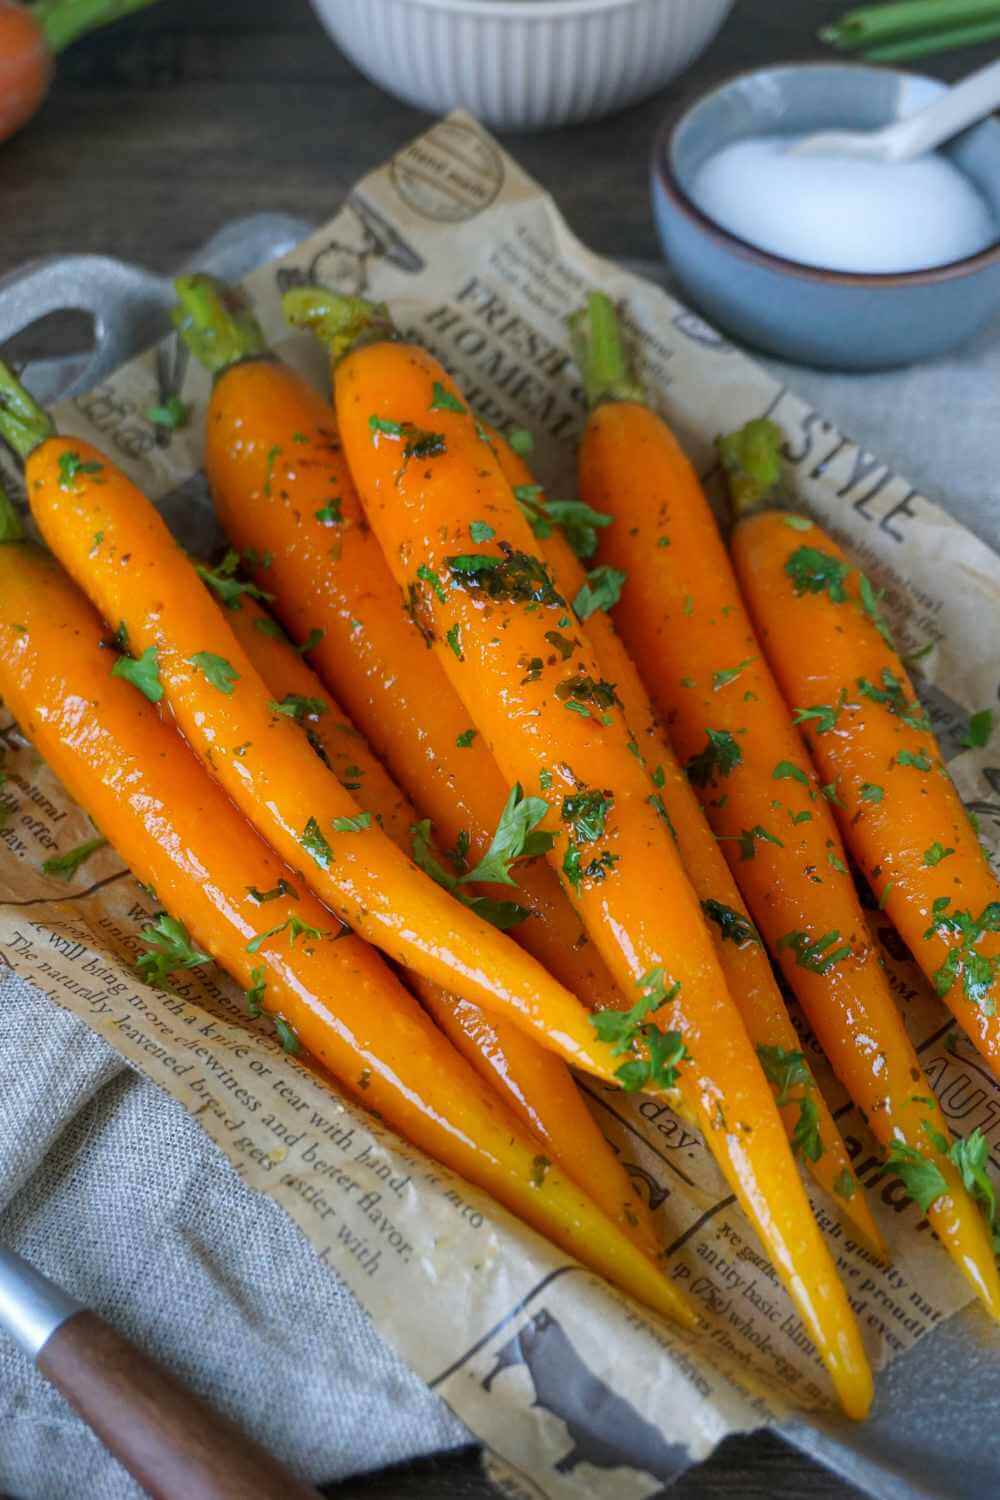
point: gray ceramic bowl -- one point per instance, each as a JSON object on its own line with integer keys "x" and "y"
{"x": 841, "y": 320}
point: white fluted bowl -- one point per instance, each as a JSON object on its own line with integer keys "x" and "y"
{"x": 523, "y": 64}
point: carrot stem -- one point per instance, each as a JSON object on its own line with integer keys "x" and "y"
{"x": 599, "y": 350}
{"x": 11, "y": 529}
{"x": 63, "y": 21}
{"x": 751, "y": 457}
{"x": 23, "y": 423}
{"x": 342, "y": 323}
{"x": 216, "y": 323}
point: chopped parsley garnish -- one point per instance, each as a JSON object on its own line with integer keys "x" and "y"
{"x": 733, "y": 926}
{"x": 314, "y": 842}
{"x": 816, "y": 572}
{"x": 580, "y": 689}
{"x": 443, "y": 400}
{"x": 330, "y": 514}
{"x": 806, "y": 1139}
{"x": 502, "y": 914}
{"x": 521, "y": 440}
{"x": 920, "y": 1176}
{"x": 274, "y": 453}
{"x": 936, "y": 853}
{"x": 418, "y": 443}
{"x": 786, "y": 1070}
{"x": 464, "y": 740}
{"x": 821, "y": 716}
{"x": 228, "y": 588}
{"x": 514, "y": 577}
{"x": 65, "y": 866}
{"x": 916, "y": 758}
{"x": 453, "y": 635}
{"x": 978, "y": 733}
{"x": 286, "y": 1036}
{"x": 785, "y": 770}
{"x": 747, "y": 840}
{"x": 720, "y": 757}
{"x": 356, "y": 824}
{"x": 844, "y": 1185}
{"x": 71, "y": 465}
{"x": 561, "y": 643}
{"x": 516, "y": 837}
{"x": 216, "y": 670}
{"x": 797, "y": 523}
{"x": 428, "y": 575}
{"x": 586, "y": 813}
{"x": 255, "y": 994}
{"x": 602, "y": 590}
{"x": 539, "y": 1170}
{"x": 818, "y": 956}
{"x": 729, "y": 674}
{"x": 626, "y": 1032}
{"x": 270, "y": 628}
{"x": 295, "y": 706}
{"x": 895, "y": 700}
{"x": 311, "y": 641}
{"x": 870, "y": 792}
{"x": 293, "y": 925}
{"x": 171, "y": 414}
{"x": 141, "y": 672}
{"x": 871, "y": 599}
{"x": 970, "y": 1155}
{"x": 978, "y": 971}
{"x": 283, "y": 888}
{"x": 579, "y": 522}
{"x": 169, "y": 947}
{"x": 577, "y": 870}
{"x": 481, "y": 531}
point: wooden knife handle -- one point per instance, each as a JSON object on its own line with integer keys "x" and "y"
{"x": 177, "y": 1448}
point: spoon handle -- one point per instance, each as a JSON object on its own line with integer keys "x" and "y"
{"x": 969, "y": 101}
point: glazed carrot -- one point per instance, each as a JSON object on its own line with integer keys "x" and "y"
{"x": 287, "y": 501}
{"x": 223, "y": 888}
{"x": 450, "y": 527}
{"x": 535, "y": 1083}
{"x": 827, "y": 642}
{"x": 682, "y": 618}
{"x": 741, "y": 955}
{"x": 113, "y": 541}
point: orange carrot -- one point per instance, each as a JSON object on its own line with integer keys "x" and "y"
{"x": 113, "y": 541}
{"x": 805, "y": 1113}
{"x": 682, "y": 617}
{"x": 229, "y": 898}
{"x": 287, "y": 501}
{"x": 534, "y": 1082}
{"x": 450, "y": 527}
{"x": 821, "y": 627}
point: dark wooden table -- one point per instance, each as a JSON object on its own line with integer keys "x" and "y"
{"x": 162, "y": 129}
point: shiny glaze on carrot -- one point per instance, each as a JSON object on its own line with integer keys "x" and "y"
{"x": 327, "y": 572}
{"x": 534, "y": 1082}
{"x": 179, "y": 832}
{"x": 683, "y": 619}
{"x": 642, "y": 914}
{"x": 116, "y": 545}
{"x": 904, "y": 822}
{"x": 743, "y": 960}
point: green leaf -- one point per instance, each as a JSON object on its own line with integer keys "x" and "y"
{"x": 892, "y": 696}
{"x": 720, "y": 757}
{"x": 330, "y": 514}
{"x": 806, "y": 1139}
{"x": 816, "y": 572}
{"x": 815, "y": 954}
{"x": 255, "y": 994}
{"x": 314, "y": 842}
{"x": 921, "y": 1177}
{"x": 295, "y": 706}
{"x": 822, "y": 716}
{"x": 748, "y": 839}
{"x": 445, "y": 401}
{"x": 602, "y": 590}
{"x": 481, "y": 531}
{"x": 453, "y": 635}
{"x": 286, "y": 1036}
{"x": 270, "y": 628}
{"x": 141, "y": 672}
{"x": 513, "y": 578}
{"x": 785, "y": 1069}
{"x": 417, "y": 441}
{"x": 71, "y": 465}
{"x": 871, "y": 793}
{"x": 311, "y": 641}
{"x": 283, "y": 888}
{"x": 971, "y": 1155}
{"x": 515, "y": 838}
{"x": 586, "y": 812}
{"x": 979, "y": 731}
{"x": 844, "y": 1185}
{"x": 936, "y": 853}
{"x": 502, "y": 914}
{"x": 352, "y": 825}
{"x": 786, "y": 771}
{"x": 915, "y": 758}
{"x": 169, "y": 948}
{"x": 216, "y": 670}
{"x": 579, "y": 523}
{"x": 521, "y": 440}
{"x": 293, "y": 925}
{"x": 65, "y": 866}
{"x": 464, "y": 740}
{"x": 729, "y": 674}
{"x": 733, "y": 926}
{"x": 228, "y": 588}
{"x": 871, "y": 599}
{"x": 428, "y": 575}
{"x": 171, "y": 414}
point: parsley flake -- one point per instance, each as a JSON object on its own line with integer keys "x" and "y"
{"x": 734, "y": 926}
{"x": 356, "y": 824}
{"x": 816, "y": 572}
{"x": 65, "y": 866}
{"x": 216, "y": 671}
{"x": 443, "y": 400}
{"x": 815, "y": 955}
{"x": 720, "y": 757}
{"x": 978, "y": 733}
{"x": 295, "y": 706}
{"x": 602, "y": 590}
{"x": 169, "y": 948}
{"x": 141, "y": 672}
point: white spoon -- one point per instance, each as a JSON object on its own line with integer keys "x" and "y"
{"x": 969, "y": 101}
